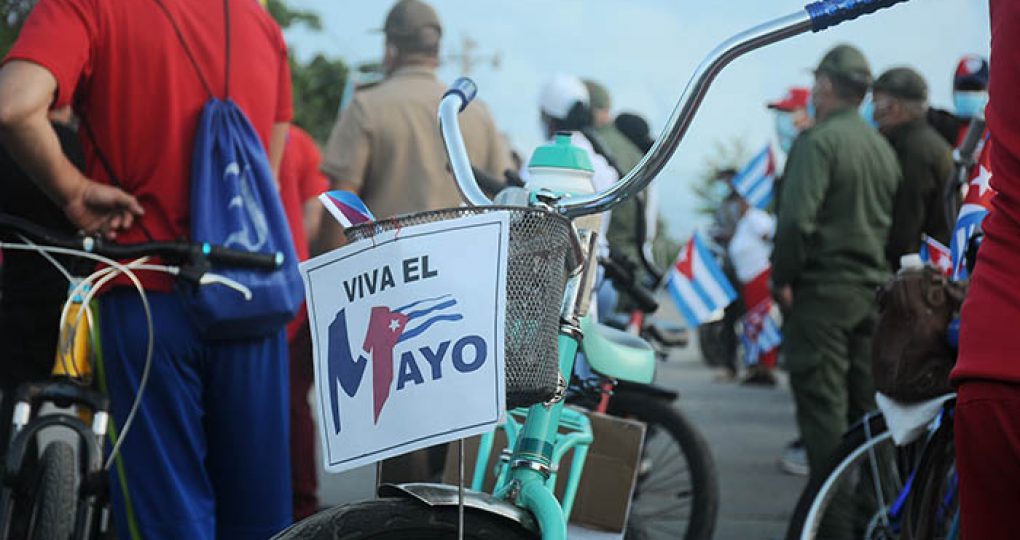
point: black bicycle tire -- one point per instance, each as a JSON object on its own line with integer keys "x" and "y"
{"x": 852, "y": 441}
{"x": 398, "y": 519}
{"x": 651, "y": 410}
{"x": 55, "y": 495}
{"x": 938, "y": 457}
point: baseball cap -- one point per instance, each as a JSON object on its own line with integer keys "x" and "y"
{"x": 407, "y": 17}
{"x": 904, "y": 83}
{"x": 846, "y": 62}
{"x": 598, "y": 95}
{"x": 560, "y": 94}
{"x": 971, "y": 73}
{"x": 797, "y": 97}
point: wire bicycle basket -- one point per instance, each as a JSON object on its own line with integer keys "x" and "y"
{"x": 538, "y": 265}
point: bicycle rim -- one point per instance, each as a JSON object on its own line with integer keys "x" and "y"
{"x": 855, "y": 499}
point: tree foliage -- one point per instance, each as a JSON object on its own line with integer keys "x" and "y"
{"x": 12, "y": 15}
{"x": 319, "y": 83}
{"x": 730, "y": 154}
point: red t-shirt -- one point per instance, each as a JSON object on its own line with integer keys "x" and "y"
{"x": 122, "y": 66}
{"x": 991, "y": 313}
{"x": 300, "y": 180}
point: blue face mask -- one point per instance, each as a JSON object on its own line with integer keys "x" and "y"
{"x": 970, "y": 103}
{"x": 786, "y": 131}
{"x": 867, "y": 111}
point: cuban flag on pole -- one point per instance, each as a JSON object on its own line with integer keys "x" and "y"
{"x": 346, "y": 207}
{"x": 697, "y": 284}
{"x": 755, "y": 181}
{"x": 976, "y": 205}
{"x": 934, "y": 253}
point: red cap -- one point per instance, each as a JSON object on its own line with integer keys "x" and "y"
{"x": 795, "y": 98}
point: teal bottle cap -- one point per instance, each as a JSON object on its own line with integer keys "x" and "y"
{"x": 561, "y": 155}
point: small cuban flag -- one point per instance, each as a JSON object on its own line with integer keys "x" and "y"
{"x": 755, "y": 181}
{"x": 697, "y": 283}
{"x": 934, "y": 253}
{"x": 346, "y": 207}
{"x": 976, "y": 205}
{"x": 761, "y": 333}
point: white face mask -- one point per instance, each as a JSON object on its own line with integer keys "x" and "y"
{"x": 970, "y": 103}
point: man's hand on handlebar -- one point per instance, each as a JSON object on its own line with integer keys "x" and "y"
{"x": 99, "y": 208}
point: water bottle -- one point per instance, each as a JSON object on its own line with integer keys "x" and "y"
{"x": 564, "y": 169}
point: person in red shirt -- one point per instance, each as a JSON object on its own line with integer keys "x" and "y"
{"x": 300, "y": 184}
{"x": 208, "y": 455}
{"x": 987, "y": 426}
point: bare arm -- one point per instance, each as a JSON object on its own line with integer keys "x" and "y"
{"x": 277, "y": 142}
{"x": 26, "y": 91}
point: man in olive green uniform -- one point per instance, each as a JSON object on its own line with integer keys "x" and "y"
{"x": 386, "y": 148}
{"x": 840, "y": 180}
{"x": 901, "y": 107}
{"x": 386, "y": 145}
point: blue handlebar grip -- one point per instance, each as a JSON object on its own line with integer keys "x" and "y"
{"x": 465, "y": 88}
{"x": 828, "y": 13}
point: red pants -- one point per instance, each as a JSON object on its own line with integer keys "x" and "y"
{"x": 988, "y": 459}
{"x": 302, "y": 429}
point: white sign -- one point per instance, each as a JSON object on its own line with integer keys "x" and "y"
{"x": 407, "y": 334}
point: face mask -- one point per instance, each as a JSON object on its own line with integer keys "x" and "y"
{"x": 970, "y": 103}
{"x": 811, "y": 109}
{"x": 867, "y": 111}
{"x": 786, "y": 131}
{"x": 720, "y": 190}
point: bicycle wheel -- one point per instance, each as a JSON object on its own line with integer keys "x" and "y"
{"x": 399, "y": 519}
{"x": 935, "y": 498}
{"x": 865, "y": 481}
{"x": 55, "y": 494}
{"x": 677, "y": 492}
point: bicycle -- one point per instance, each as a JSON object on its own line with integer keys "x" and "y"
{"x": 883, "y": 483}
{"x": 65, "y": 494}
{"x": 523, "y": 505}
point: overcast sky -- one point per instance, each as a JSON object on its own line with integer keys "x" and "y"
{"x": 645, "y": 50}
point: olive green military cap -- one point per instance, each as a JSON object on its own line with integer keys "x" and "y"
{"x": 846, "y": 62}
{"x": 903, "y": 83}
{"x": 408, "y": 17}
{"x": 598, "y": 96}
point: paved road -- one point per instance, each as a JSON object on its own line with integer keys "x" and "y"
{"x": 746, "y": 429}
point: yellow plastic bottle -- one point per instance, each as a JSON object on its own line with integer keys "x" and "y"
{"x": 73, "y": 347}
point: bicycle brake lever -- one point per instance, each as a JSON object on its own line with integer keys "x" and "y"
{"x": 216, "y": 279}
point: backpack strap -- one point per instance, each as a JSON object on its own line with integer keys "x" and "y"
{"x": 191, "y": 56}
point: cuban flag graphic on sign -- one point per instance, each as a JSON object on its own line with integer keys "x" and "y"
{"x": 975, "y": 207}
{"x": 697, "y": 283}
{"x": 346, "y": 207}
{"x": 754, "y": 183}
{"x": 934, "y": 253}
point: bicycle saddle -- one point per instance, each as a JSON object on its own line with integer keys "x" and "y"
{"x": 617, "y": 354}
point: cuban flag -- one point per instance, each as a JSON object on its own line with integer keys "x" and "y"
{"x": 697, "y": 284}
{"x": 934, "y": 253}
{"x": 346, "y": 207}
{"x": 755, "y": 181}
{"x": 761, "y": 334}
{"x": 976, "y": 205}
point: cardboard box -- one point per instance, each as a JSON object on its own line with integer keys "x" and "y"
{"x": 607, "y": 483}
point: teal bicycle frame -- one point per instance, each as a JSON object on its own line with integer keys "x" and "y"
{"x": 537, "y": 443}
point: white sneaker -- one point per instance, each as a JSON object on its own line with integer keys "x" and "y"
{"x": 794, "y": 460}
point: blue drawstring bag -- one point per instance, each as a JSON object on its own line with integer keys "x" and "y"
{"x": 235, "y": 203}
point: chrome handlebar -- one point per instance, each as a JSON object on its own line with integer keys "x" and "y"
{"x": 814, "y": 17}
